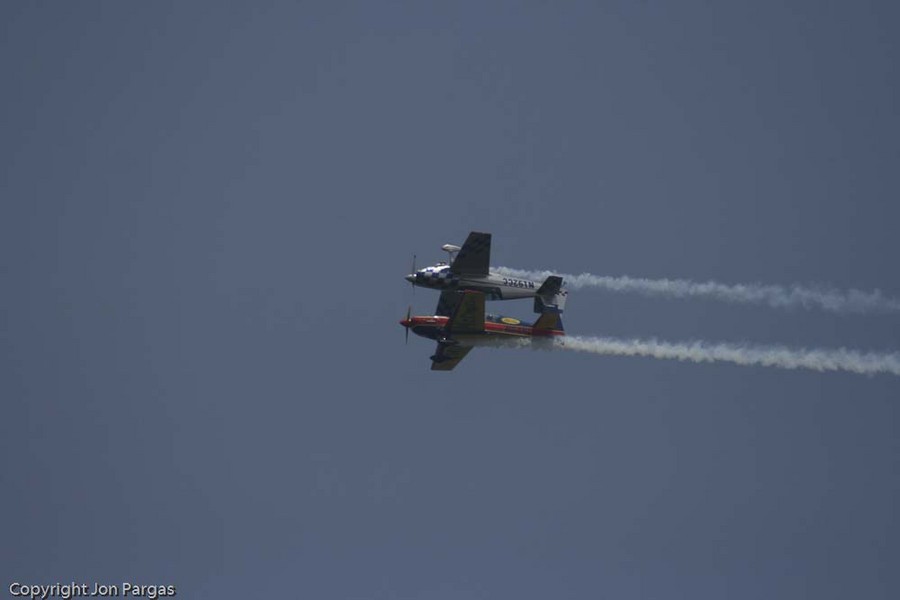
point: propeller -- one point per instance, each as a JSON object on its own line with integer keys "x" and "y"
{"x": 413, "y": 273}
{"x": 408, "y": 313}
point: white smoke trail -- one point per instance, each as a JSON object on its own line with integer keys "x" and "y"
{"x": 817, "y": 359}
{"x": 698, "y": 351}
{"x": 777, "y": 296}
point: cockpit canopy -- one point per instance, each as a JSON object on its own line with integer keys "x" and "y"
{"x": 441, "y": 266}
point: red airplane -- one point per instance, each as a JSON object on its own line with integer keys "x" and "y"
{"x": 468, "y": 326}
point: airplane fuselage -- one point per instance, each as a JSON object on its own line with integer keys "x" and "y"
{"x": 435, "y": 328}
{"x": 493, "y": 285}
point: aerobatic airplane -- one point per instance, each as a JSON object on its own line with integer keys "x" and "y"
{"x": 470, "y": 270}
{"x": 468, "y": 326}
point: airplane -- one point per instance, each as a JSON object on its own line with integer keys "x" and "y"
{"x": 470, "y": 270}
{"x": 469, "y": 326}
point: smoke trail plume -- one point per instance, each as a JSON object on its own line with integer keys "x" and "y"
{"x": 817, "y": 359}
{"x": 777, "y": 296}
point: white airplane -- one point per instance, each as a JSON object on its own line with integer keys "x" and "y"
{"x": 470, "y": 270}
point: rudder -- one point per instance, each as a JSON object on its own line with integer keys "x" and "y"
{"x": 548, "y": 321}
{"x": 550, "y": 297}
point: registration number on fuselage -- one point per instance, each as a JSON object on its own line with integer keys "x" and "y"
{"x": 518, "y": 283}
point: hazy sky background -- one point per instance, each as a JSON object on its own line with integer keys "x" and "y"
{"x": 206, "y": 213}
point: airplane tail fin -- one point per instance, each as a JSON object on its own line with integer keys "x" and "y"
{"x": 548, "y": 321}
{"x": 550, "y": 297}
{"x": 550, "y": 286}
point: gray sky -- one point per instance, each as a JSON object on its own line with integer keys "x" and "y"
{"x": 207, "y": 211}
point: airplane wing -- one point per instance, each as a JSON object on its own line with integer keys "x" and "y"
{"x": 448, "y": 356}
{"x": 475, "y": 255}
{"x": 447, "y": 303}
{"x": 469, "y": 314}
